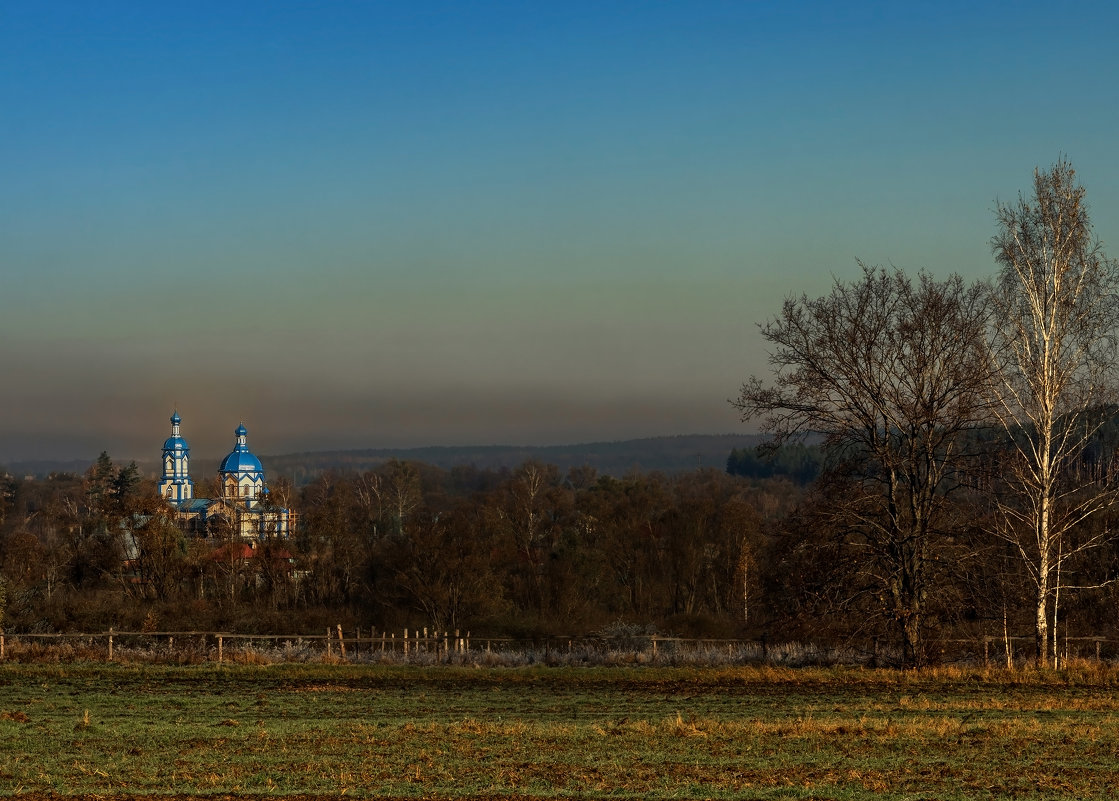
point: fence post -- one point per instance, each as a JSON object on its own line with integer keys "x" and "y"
{"x": 220, "y": 643}
{"x": 341, "y": 642}
{"x": 2, "y": 645}
{"x": 110, "y": 643}
{"x": 406, "y": 642}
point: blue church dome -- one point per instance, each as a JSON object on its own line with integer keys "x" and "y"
{"x": 241, "y": 459}
{"x": 175, "y": 442}
{"x": 241, "y": 462}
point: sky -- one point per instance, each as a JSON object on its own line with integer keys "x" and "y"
{"x": 365, "y": 224}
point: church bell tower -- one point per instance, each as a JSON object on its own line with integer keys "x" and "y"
{"x": 176, "y": 485}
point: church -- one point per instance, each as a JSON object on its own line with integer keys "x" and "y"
{"x": 243, "y": 507}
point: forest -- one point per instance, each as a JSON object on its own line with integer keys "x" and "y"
{"x": 520, "y": 551}
{"x": 523, "y": 552}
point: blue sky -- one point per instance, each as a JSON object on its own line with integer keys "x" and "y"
{"x": 395, "y": 224}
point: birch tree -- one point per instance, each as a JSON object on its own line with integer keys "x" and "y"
{"x": 1056, "y": 315}
{"x": 892, "y": 373}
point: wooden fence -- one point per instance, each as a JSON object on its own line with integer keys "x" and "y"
{"x": 357, "y": 644}
{"x": 420, "y": 646}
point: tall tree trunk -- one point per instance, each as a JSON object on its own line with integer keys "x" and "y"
{"x": 913, "y": 644}
{"x": 1056, "y": 603}
{"x": 1044, "y": 544}
{"x": 1041, "y": 626}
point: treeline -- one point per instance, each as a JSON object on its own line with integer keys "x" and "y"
{"x": 509, "y": 553}
{"x": 798, "y": 462}
{"x": 505, "y": 552}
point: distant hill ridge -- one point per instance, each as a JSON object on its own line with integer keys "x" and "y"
{"x": 665, "y": 454}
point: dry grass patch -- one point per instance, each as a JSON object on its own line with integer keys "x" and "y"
{"x": 553, "y": 733}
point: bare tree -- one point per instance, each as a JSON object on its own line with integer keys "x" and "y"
{"x": 402, "y": 491}
{"x": 1056, "y": 315}
{"x": 893, "y": 374}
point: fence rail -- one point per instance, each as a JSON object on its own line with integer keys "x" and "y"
{"x": 420, "y": 646}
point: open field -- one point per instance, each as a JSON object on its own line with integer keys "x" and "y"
{"x": 313, "y": 729}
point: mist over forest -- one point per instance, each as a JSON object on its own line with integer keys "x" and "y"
{"x": 938, "y": 464}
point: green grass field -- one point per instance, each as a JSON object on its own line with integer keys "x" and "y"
{"x": 102, "y": 730}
